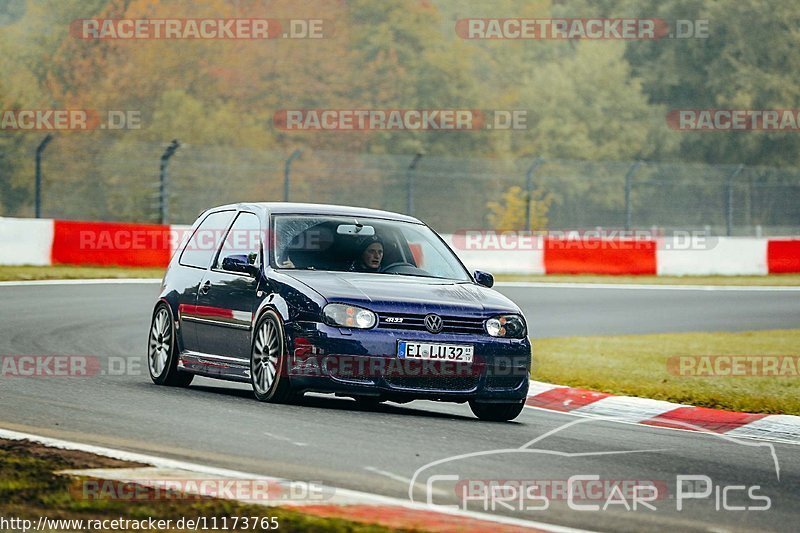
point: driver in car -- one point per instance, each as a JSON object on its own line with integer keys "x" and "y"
{"x": 370, "y": 255}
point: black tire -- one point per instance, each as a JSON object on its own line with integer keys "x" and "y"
{"x": 162, "y": 350}
{"x": 496, "y": 412}
{"x": 269, "y": 374}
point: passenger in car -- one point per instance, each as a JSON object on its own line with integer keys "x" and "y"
{"x": 370, "y": 255}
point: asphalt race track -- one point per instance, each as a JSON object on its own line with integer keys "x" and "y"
{"x": 562, "y": 312}
{"x": 329, "y": 440}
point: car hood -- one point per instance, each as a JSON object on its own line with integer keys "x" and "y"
{"x": 397, "y": 293}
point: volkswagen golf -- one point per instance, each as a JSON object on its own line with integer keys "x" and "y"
{"x": 296, "y": 298}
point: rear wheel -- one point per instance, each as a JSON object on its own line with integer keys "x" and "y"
{"x": 268, "y": 363}
{"x": 162, "y": 353}
{"x": 496, "y": 412}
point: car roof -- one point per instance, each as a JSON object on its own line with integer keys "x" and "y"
{"x": 316, "y": 209}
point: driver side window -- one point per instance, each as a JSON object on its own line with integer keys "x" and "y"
{"x": 243, "y": 240}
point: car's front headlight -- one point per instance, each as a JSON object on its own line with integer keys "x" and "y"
{"x": 348, "y": 316}
{"x": 507, "y": 326}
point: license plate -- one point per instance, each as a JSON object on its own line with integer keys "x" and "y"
{"x": 439, "y": 352}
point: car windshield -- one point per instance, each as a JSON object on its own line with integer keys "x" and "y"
{"x": 349, "y": 244}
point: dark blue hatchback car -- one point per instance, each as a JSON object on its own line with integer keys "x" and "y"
{"x": 373, "y": 305}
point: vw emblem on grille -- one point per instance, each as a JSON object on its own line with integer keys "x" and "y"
{"x": 433, "y": 323}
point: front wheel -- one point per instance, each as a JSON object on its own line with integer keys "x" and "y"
{"x": 496, "y": 412}
{"x": 162, "y": 352}
{"x": 268, "y": 365}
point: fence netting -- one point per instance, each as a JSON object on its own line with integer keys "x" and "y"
{"x": 111, "y": 180}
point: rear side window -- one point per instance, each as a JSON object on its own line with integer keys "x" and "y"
{"x": 205, "y": 241}
{"x": 244, "y": 239}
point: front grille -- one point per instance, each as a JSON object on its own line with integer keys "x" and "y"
{"x": 415, "y": 322}
{"x": 434, "y": 383}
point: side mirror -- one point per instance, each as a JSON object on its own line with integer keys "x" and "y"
{"x": 483, "y": 278}
{"x": 239, "y": 263}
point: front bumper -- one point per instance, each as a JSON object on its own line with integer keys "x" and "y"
{"x": 354, "y": 362}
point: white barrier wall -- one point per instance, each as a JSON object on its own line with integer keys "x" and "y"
{"x": 25, "y": 241}
{"x": 725, "y": 256}
{"x": 530, "y": 261}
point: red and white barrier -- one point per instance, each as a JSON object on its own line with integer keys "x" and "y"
{"x": 52, "y": 242}
{"x": 25, "y": 241}
{"x": 663, "y": 256}
{"x": 784, "y": 428}
{"x": 43, "y": 242}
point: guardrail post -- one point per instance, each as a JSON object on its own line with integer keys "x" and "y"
{"x": 163, "y": 202}
{"x": 539, "y": 161}
{"x": 729, "y": 200}
{"x": 286, "y": 171}
{"x": 410, "y": 183}
{"x": 628, "y": 185}
{"x": 38, "y": 179}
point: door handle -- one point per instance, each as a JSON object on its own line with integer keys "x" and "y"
{"x": 206, "y": 286}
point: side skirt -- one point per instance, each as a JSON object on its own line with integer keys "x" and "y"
{"x": 215, "y": 366}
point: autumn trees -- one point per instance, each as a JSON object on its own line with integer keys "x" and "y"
{"x": 585, "y": 100}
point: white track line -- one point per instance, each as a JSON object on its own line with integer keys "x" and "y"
{"x": 404, "y": 480}
{"x": 365, "y": 497}
{"x": 646, "y": 287}
{"x": 104, "y": 281}
{"x": 285, "y": 439}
